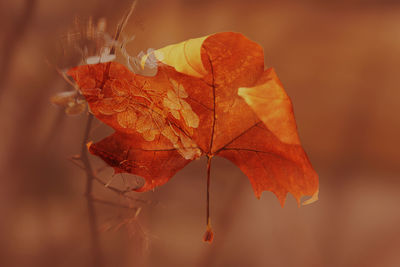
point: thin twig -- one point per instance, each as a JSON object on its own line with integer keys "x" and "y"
{"x": 74, "y": 161}
{"x": 90, "y": 176}
{"x": 94, "y": 237}
{"x": 102, "y": 168}
{"x": 123, "y": 23}
{"x": 122, "y": 193}
{"x": 116, "y": 190}
{"x": 119, "y": 192}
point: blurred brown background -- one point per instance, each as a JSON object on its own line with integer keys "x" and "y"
{"x": 338, "y": 60}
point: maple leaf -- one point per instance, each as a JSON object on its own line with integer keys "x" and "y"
{"x": 211, "y": 96}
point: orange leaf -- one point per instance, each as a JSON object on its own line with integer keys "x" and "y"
{"x": 211, "y": 96}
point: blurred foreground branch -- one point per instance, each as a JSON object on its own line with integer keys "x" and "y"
{"x": 94, "y": 237}
{"x": 96, "y": 256}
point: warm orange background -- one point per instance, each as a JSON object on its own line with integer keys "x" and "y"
{"x": 338, "y": 60}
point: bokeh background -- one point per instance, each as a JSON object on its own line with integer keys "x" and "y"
{"x": 338, "y": 60}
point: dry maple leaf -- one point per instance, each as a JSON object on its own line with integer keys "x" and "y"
{"x": 211, "y": 96}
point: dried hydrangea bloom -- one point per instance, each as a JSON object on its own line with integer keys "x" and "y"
{"x": 123, "y": 102}
{"x": 150, "y": 124}
{"x": 133, "y": 106}
{"x": 178, "y": 107}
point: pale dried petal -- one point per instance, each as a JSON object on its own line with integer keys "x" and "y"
{"x": 158, "y": 121}
{"x": 142, "y": 111}
{"x": 120, "y": 87}
{"x": 156, "y": 111}
{"x": 171, "y": 105}
{"x": 170, "y": 135}
{"x": 143, "y": 124}
{"x": 174, "y": 83}
{"x": 107, "y": 58}
{"x": 172, "y": 96}
{"x": 136, "y": 91}
{"x": 106, "y": 106}
{"x": 120, "y": 104}
{"x": 186, "y": 141}
{"x": 176, "y": 114}
{"x": 191, "y": 118}
{"x": 181, "y": 92}
{"x": 127, "y": 119}
{"x": 93, "y": 60}
{"x": 189, "y": 149}
{"x": 150, "y": 135}
{"x": 179, "y": 89}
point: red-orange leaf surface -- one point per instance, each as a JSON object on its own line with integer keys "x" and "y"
{"x": 211, "y": 96}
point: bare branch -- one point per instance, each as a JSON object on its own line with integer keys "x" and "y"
{"x": 123, "y": 23}
{"x": 96, "y": 251}
{"x": 122, "y": 193}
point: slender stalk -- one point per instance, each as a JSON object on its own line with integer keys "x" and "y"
{"x": 121, "y": 192}
{"x": 210, "y": 256}
{"x": 209, "y": 235}
{"x": 94, "y": 236}
{"x": 122, "y": 24}
{"x": 96, "y": 255}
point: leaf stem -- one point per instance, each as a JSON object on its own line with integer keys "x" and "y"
{"x": 209, "y": 235}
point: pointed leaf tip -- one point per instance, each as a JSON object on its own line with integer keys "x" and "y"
{"x": 312, "y": 199}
